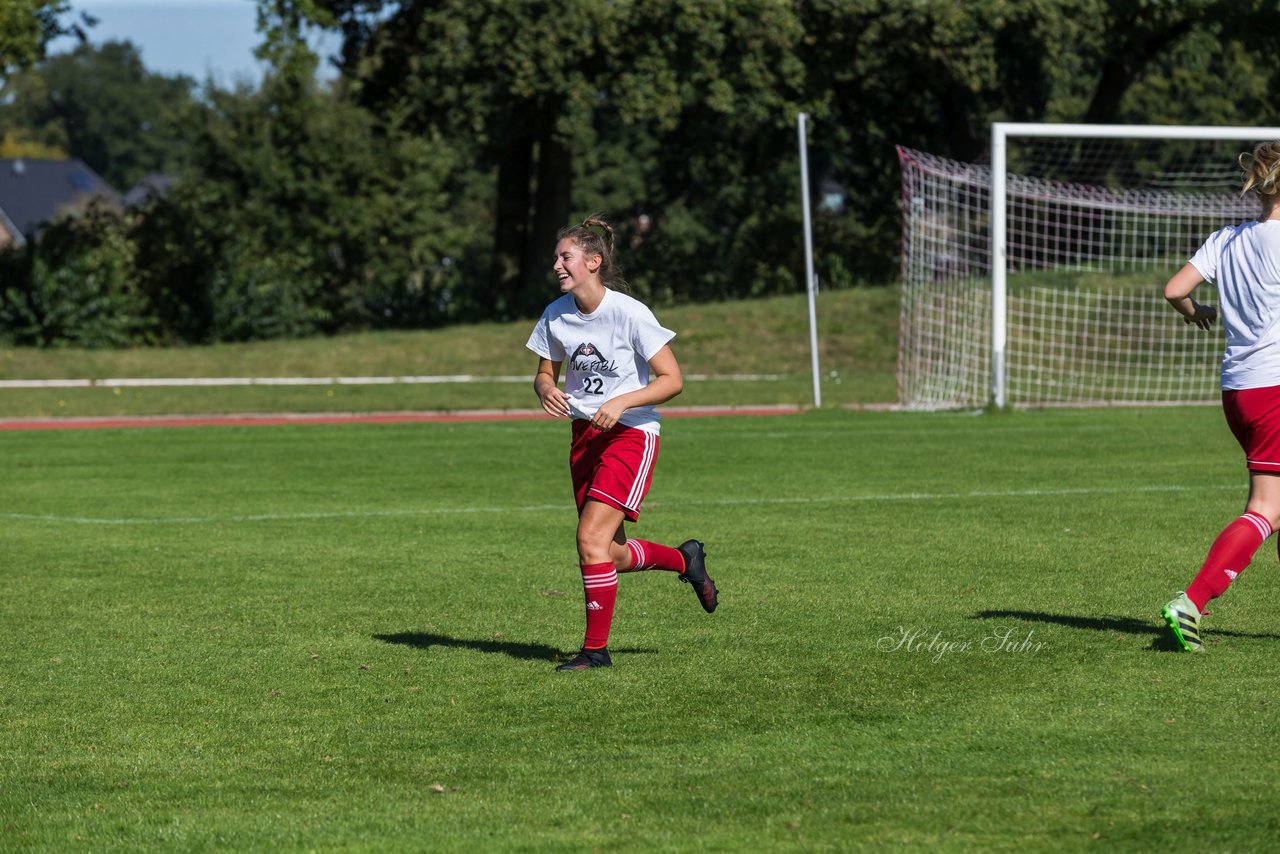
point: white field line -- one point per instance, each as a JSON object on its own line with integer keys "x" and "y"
{"x": 446, "y": 379}
{"x": 544, "y": 508}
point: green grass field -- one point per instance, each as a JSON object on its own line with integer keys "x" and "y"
{"x": 935, "y": 631}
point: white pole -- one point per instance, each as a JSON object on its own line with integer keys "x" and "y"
{"x": 811, "y": 280}
{"x": 999, "y": 314}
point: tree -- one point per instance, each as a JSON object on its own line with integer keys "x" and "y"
{"x": 935, "y": 75}
{"x": 510, "y": 82}
{"x": 100, "y": 104}
{"x": 702, "y": 99}
{"x": 303, "y": 214}
{"x": 75, "y": 287}
{"x": 27, "y": 27}
{"x": 534, "y": 88}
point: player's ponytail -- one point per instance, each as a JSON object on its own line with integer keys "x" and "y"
{"x": 598, "y": 221}
{"x": 599, "y": 243}
{"x": 1262, "y": 173}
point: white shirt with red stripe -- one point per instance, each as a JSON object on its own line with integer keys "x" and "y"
{"x": 605, "y": 353}
{"x": 1243, "y": 261}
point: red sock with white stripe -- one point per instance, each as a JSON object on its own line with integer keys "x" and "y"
{"x": 1228, "y": 556}
{"x": 600, "y": 585}
{"x": 647, "y": 555}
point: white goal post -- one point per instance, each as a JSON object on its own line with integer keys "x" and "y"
{"x": 1025, "y": 289}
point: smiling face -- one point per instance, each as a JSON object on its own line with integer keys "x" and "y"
{"x": 575, "y": 269}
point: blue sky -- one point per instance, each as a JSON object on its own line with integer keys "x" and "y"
{"x": 193, "y": 37}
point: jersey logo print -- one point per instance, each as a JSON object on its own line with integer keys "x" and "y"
{"x": 591, "y": 360}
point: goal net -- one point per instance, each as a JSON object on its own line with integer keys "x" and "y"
{"x": 1092, "y": 229}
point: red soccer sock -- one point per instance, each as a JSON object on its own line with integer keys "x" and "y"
{"x": 647, "y": 555}
{"x": 600, "y": 585}
{"x": 1228, "y": 556}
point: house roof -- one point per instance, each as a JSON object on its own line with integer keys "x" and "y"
{"x": 152, "y": 186}
{"x": 9, "y": 232}
{"x": 32, "y": 192}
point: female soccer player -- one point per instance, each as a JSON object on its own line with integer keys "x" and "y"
{"x": 613, "y": 345}
{"x": 1244, "y": 262}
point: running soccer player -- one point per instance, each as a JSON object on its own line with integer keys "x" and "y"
{"x": 1244, "y": 262}
{"x": 619, "y": 368}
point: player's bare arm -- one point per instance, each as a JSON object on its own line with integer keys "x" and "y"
{"x": 1178, "y": 292}
{"x": 666, "y": 382}
{"x": 546, "y": 383}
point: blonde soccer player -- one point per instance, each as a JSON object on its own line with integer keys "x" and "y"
{"x": 1243, "y": 261}
{"x": 618, "y": 367}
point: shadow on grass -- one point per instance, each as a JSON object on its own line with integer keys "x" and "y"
{"x": 1162, "y": 641}
{"x": 524, "y": 651}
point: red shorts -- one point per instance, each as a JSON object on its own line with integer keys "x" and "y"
{"x": 1253, "y": 414}
{"x": 614, "y": 466}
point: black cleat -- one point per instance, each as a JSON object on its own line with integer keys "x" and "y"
{"x": 695, "y": 573}
{"x": 587, "y": 659}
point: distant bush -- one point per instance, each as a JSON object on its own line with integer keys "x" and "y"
{"x": 77, "y": 286}
{"x": 256, "y": 296}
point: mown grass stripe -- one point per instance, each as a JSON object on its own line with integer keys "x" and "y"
{"x": 544, "y": 508}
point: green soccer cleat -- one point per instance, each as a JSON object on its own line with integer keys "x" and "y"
{"x": 1183, "y": 618}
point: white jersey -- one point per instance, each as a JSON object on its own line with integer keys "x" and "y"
{"x": 1243, "y": 261}
{"x": 606, "y": 353}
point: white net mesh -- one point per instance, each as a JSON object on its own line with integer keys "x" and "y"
{"x": 1087, "y": 322}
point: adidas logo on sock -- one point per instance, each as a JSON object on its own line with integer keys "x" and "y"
{"x": 594, "y": 606}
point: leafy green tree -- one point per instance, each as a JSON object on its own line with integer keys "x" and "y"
{"x": 1125, "y": 46}
{"x": 304, "y": 210}
{"x": 76, "y": 287}
{"x": 702, "y": 99}
{"x": 27, "y": 27}
{"x": 935, "y": 75}
{"x": 208, "y": 279}
{"x": 101, "y": 105}
{"x": 551, "y": 96}
{"x": 883, "y": 73}
{"x": 509, "y": 82}
{"x": 426, "y": 184}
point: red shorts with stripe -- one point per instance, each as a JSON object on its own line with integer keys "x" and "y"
{"x": 614, "y": 466}
{"x": 1253, "y": 414}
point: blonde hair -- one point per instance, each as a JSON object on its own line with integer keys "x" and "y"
{"x": 598, "y": 243}
{"x": 1262, "y": 173}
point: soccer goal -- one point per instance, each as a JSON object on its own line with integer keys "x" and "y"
{"x": 1036, "y": 279}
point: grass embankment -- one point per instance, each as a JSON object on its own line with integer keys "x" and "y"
{"x": 857, "y": 353}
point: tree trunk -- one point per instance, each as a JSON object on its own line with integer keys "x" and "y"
{"x": 551, "y": 208}
{"x": 510, "y": 229}
{"x": 1119, "y": 71}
